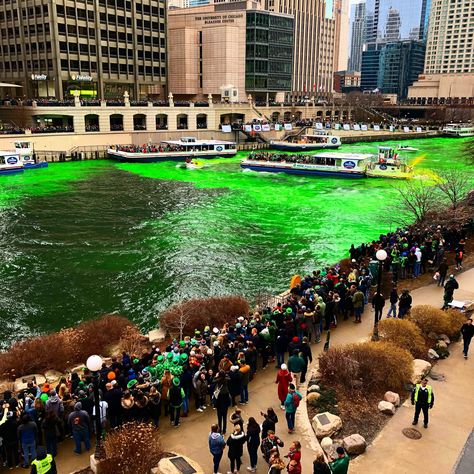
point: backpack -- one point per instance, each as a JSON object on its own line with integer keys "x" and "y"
{"x": 296, "y": 400}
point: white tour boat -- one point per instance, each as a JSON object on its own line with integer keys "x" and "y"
{"x": 10, "y": 163}
{"x": 27, "y": 156}
{"x": 186, "y": 147}
{"x": 459, "y": 130}
{"x": 316, "y": 141}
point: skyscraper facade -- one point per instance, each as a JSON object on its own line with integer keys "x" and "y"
{"x": 55, "y": 48}
{"x": 314, "y": 49}
{"x": 389, "y": 20}
{"x": 357, "y": 37}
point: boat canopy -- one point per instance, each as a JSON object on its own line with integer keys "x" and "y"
{"x": 193, "y": 141}
{"x": 344, "y": 156}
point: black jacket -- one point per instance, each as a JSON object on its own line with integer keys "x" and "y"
{"x": 467, "y": 331}
{"x": 236, "y": 444}
{"x": 422, "y": 397}
{"x": 378, "y": 301}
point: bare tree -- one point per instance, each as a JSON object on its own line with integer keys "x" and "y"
{"x": 180, "y": 318}
{"x": 454, "y": 185}
{"x": 417, "y": 201}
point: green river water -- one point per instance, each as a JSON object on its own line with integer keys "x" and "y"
{"x": 86, "y": 238}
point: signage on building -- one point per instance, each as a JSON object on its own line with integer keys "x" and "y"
{"x": 39, "y": 77}
{"x": 218, "y": 19}
{"x": 81, "y": 78}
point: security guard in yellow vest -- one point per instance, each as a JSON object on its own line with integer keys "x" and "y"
{"x": 423, "y": 399}
{"x": 44, "y": 463}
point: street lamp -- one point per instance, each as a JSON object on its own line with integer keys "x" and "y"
{"x": 381, "y": 256}
{"x": 94, "y": 364}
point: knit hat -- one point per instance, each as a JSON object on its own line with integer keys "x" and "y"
{"x": 289, "y": 310}
{"x": 295, "y": 339}
{"x": 284, "y": 367}
{"x": 176, "y": 382}
{"x": 215, "y": 331}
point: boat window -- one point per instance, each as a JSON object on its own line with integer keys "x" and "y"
{"x": 2, "y": 160}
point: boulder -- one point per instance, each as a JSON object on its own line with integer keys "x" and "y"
{"x": 386, "y": 408}
{"x": 421, "y": 368}
{"x": 444, "y": 338}
{"x": 326, "y": 443}
{"x": 354, "y": 444}
{"x": 392, "y": 397}
{"x": 156, "y": 336}
{"x": 432, "y": 354}
{"x": 314, "y": 388}
{"x": 312, "y": 397}
{"x": 326, "y": 424}
{"x": 442, "y": 349}
{"x": 441, "y": 344}
{"x": 165, "y": 466}
{"x": 52, "y": 376}
{"x": 21, "y": 382}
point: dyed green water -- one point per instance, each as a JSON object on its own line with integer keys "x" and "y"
{"x": 82, "y": 239}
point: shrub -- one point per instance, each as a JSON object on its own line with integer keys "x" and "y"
{"x": 374, "y": 367}
{"x": 60, "y": 350}
{"x": 132, "y": 448}
{"x": 432, "y": 321}
{"x": 404, "y": 334}
{"x": 183, "y": 318}
{"x": 455, "y": 320}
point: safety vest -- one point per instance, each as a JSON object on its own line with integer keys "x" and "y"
{"x": 417, "y": 389}
{"x": 44, "y": 465}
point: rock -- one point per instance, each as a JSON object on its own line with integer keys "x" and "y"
{"x": 441, "y": 345}
{"x": 421, "y": 368}
{"x": 442, "y": 350}
{"x": 437, "y": 376}
{"x": 354, "y": 444}
{"x": 433, "y": 336}
{"x": 392, "y": 397}
{"x": 157, "y": 335}
{"x": 312, "y": 397}
{"x": 52, "y": 376}
{"x": 21, "y": 382}
{"x": 165, "y": 466}
{"x": 444, "y": 338}
{"x": 326, "y": 424}
{"x": 326, "y": 443}
{"x": 314, "y": 388}
{"x": 386, "y": 408}
{"x": 432, "y": 354}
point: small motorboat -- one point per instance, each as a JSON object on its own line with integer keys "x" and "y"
{"x": 190, "y": 164}
{"x": 407, "y": 148}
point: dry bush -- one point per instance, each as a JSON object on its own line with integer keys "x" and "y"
{"x": 404, "y": 334}
{"x": 455, "y": 320}
{"x": 132, "y": 341}
{"x": 432, "y": 321}
{"x": 132, "y": 448}
{"x": 60, "y": 350}
{"x": 372, "y": 367}
{"x": 202, "y": 312}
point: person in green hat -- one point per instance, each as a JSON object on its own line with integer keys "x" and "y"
{"x": 175, "y": 399}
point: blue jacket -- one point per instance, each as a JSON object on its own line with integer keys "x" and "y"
{"x": 289, "y": 405}
{"x": 216, "y": 443}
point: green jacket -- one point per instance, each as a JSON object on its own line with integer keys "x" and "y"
{"x": 296, "y": 364}
{"x": 358, "y": 299}
{"x": 340, "y": 465}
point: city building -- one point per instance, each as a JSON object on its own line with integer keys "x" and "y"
{"x": 389, "y": 20}
{"x": 346, "y": 81}
{"x": 315, "y": 44}
{"x": 230, "y": 46}
{"x": 96, "y": 49}
{"x": 400, "y": 63}
{"x": 341, "y": 39}
{"x": 358, "y": 26}
{"x": 449, "y": 61}
{"x": 370, "y": 69}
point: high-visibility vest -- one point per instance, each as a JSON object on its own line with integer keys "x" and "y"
{"x": 44, "y": 465}
{"x": 417, "y": 389}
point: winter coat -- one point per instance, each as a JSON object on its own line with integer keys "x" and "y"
{"x": 114, "y": 398}
{"x": 296, "y": 364}
{"x": 358, "y": 300}
{"x": 27, "y": 432}
{"x": 235, "y": 383}
{"x": 235, "y": 443}
{"x": 216, "y": 443}
{"x": 79, "y": 419}
{"x": 289, "y": 403}
{"x": 175, "y": 396}
{"x": 268, "y": 424}
{"x": 55, "y": 404}
{"x": 283, "y": 379}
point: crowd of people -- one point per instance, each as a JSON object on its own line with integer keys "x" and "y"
{"x": 213, "y": 367}
{"x": 148, "y": 148}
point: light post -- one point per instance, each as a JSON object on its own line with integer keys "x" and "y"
{"x": 381, "y": 256}
{"x": 94, "y": 364}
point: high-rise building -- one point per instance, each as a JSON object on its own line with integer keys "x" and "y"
{"x": 370, "y": 69}
{"x": 357, "y": 36}
{"x": 341, "y": 39}
{"x": 389, "y": 20}
{"x": 449, "y": 60}
{"x": 55, "y": 48}
{"x": 315, "y": 40}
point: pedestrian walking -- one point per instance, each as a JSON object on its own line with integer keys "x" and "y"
{"x": 320, "y": 466}
{"x": 221, "y": 400}
{"x": 217, "y": 445}
{"x": 79, "y": 424}
{"x": 442, "y": 272}
{"x": 467, "y": 331}
{"x": 175, "y": 399}
{"x": 296, "y": 365}
{"x": 294, "y": 456}
{"x": 393, "y": 298}
{"x": 270, "y": 445}
{"x": 306, "y": 354}
{"x": 459, "y": 258}
{"x": 449, "y": 288}
{"x": 269, "y": 422}
{"x": 423, "y": 399}
{"x": 340, "y": 465}
{"x": 276, "y": 464}
{"x": 378, "y": 303}
{"x": 292, "y": 403}
{"x": 404, "y": 303}
{"x": 235, "y": 443}
{"x": 283, "y": 379}
{"x": 358, "y": 305}
{"x": 253, "y": 442}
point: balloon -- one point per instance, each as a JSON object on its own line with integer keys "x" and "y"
{"x": 111, "y": 375}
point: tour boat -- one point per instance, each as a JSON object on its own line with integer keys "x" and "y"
{"x": 315, "y": 141}
{"x": 186, "y": 147}
{"x": 407, "y": 148}
{"x": 388, "y": 164}
{"x": 24, "y": 150}
{"x": 10, "y": 163}
{"x": 459, "y": 130}
{"x": 349, "y": 165}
